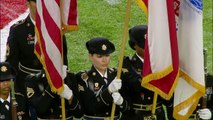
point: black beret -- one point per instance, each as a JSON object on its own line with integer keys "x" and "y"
{"x": 100, "y": 45}
{"x": 137, "y": 36}
{"x": 7, "y": 72}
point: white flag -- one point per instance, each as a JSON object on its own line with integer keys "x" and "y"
{"x": 190, "y": 87}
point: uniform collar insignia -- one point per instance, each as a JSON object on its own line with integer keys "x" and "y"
{"x": 94, "y": 73}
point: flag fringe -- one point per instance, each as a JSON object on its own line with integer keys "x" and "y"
{"x": 191, "y": 100}
{"x": 69, "y": 28}
{"x": 41, "y": 59}
{"x": 142, "y": 5}
{"x": 159, "y": 75}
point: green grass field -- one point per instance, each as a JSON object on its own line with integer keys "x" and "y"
{"x": 98, "y": 18}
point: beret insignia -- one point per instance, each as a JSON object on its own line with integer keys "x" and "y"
{"x": 3, "y": 68}
{"x": 104, "y": 47}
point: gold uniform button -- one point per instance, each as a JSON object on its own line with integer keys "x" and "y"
{"x": 149, "y": 98}
{"x": 107, "y": 113}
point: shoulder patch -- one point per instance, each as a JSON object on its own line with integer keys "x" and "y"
{"x": 84, "y": 76}
{"x": 30, "y": 92}
{"x": 125, "y": 70}
{"x": 80, "y": 88}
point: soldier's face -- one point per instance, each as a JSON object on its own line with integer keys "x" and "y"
{"x": 4, "y": 87}
{"x": 140, "y": 51}
{"x": 101, "y": 62}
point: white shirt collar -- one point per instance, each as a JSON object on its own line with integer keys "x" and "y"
{"x": 8, "y": 99}
{"x": 105, "y": 74}
{"x": 140, "y": 58}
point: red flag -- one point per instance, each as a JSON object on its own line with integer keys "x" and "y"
{"x": 49, "y": 47}
{"x": 160, "y": 69}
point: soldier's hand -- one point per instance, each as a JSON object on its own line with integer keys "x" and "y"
{"x": 66, "y": 93}
{"x": 205, "y": 114}
{"x": 117, "y": 98}
{"x": 64, "y": 71}
{"x": 115, "y": 85}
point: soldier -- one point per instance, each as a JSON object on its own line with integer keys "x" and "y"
{"x": 20, "y": 52}
{"x": 204, "y": 108}
{"x": 48, "y": 104}
{"x": 141, "y": 98}
{"x": 7, "y": 73}
{"x": 98, "y": 87}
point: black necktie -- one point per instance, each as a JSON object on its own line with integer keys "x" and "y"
{"x": 6, "y": 103}
{"x": 105, "y": 80}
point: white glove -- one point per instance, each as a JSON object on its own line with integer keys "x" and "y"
{"x": 64, "y": 74}
{"x": 117, "y": 98}
{"x": 66, "y": 93}
{"x": 115, "y": 85}
{"x": 204, "y": 114}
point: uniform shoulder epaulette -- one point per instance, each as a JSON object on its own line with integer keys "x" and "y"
{"x": 18, "y": 23}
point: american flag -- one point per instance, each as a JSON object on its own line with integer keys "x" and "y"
{"x": 52, "y": 17}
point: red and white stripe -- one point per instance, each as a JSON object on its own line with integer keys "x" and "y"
{"x": 49, "y": 47}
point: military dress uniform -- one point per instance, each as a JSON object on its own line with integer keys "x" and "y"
{"x": 20, "y": 54}
{"x": 95, "y": 97}
{"x": 48, "y": 104}
{"x": 7, "y": 73}
{"x": 141, "y": 99}
{"x": 5, "y": 113}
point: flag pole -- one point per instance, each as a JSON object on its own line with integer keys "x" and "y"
{"x": 62, "y": 99}
{"x": 204, "y": 99}
{"x": 125, "y": 30}
{"x": 14, "y": 103}
{"x": 154, "y": 103}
